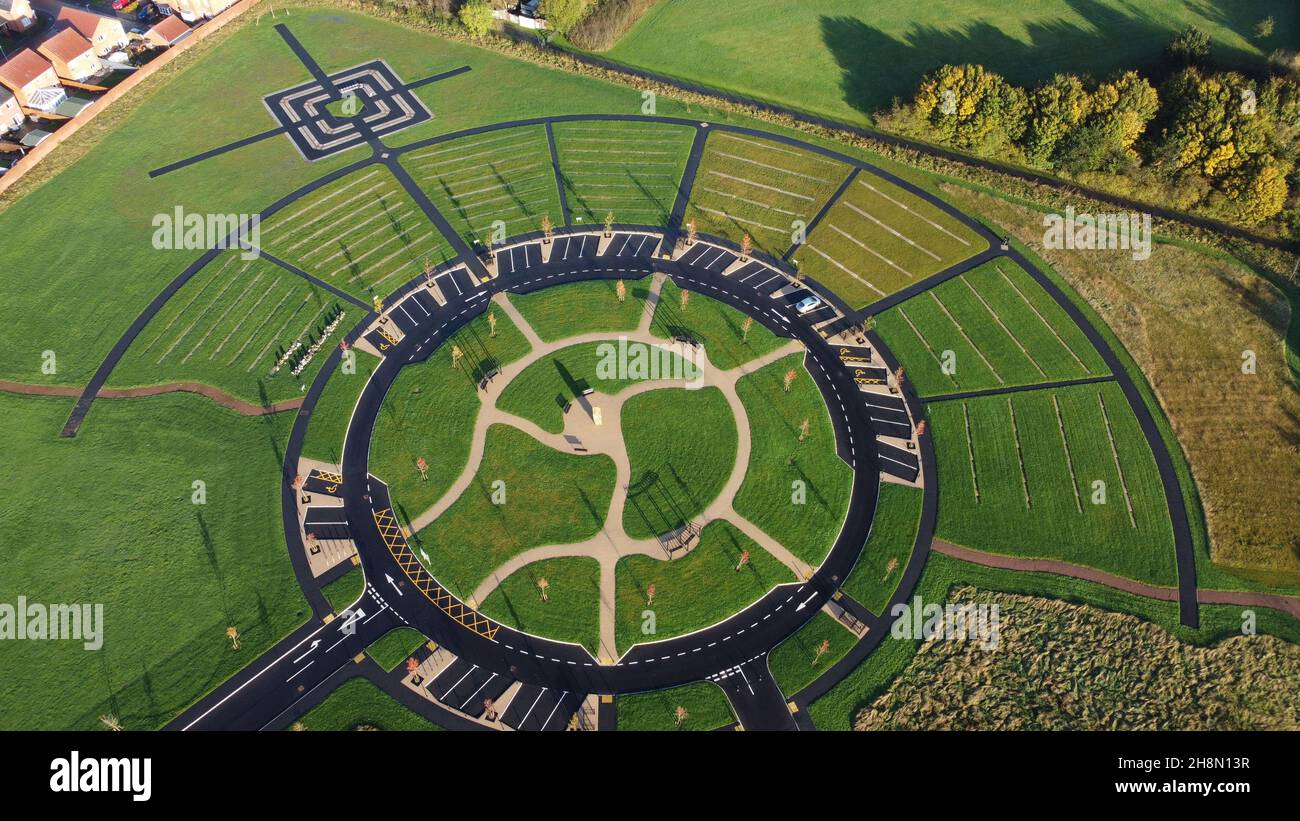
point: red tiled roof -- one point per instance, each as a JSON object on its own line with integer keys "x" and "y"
{"x": 67, "y": 45}
{"x": 23, "y": 67}
{"x": 85, "y": 22}
{"x": 169, "y": 28}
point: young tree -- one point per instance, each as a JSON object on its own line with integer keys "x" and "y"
{"x": 111, "y": 722}
{"x": 548, "y": 229}
{"x": 746, "y": 245}
{"x": 620, "y": 291}
{"x": 232, "y": 633}
{"x": 650, "y": 595}
{"x": 805, "y": 427}
{"x": 685, "y": 298}
{"x": 412, "y": 666}
{"x": 679, "y": 716}
{"x": 476, "y": 17}
{"x": 456, "y": 356}
{"x": 1264, "y": 28}
{"x": 609, "y": 223}
{"x": 744, "y": 560}
{"x": 691, "y": 231}
{"x": 1189, "y": 46}
{"x": 423, "y": 467}
{"x": 489, "y": 709}
{"x": 788, "y": 379}
{"x": 920, "y": 428}
{"x": 543, "y": 585}
{"x": 744, "y": 328}
{"x": 890, "y": 567}
{"x": 492, "y": 324}
{"x": 821, "y": 651}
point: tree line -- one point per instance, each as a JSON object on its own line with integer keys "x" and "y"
{"x": 1202, "y": 139}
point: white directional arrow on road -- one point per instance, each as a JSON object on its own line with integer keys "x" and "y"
{"x": 314, "y": 645}
{"x": 394, "y": 584}
{"x": 804, "y": 603}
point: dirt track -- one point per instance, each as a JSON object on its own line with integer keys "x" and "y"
{"x": 220, "y": 397}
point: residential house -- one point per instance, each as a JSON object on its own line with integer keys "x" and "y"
{"x": 168, "y": 32}
{"x": 192, "y": 10}
{"x": 32, "y": 79}
{"x": 72, "y": 55}
{"x": 11, "y": 113}
{"x": 16, "y": 16}
{"x": 105, "y": 33}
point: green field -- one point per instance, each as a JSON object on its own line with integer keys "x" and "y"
{"x": 1001, "y": 328}
{"x": 808, "y": 526}
{"x": 229, "y": 326}
{"x": 333, "y": 412}
{"x": 630, "y": 169}
{"x": 715, "y": 325}
{"x": 682, "y": 447}
{"x": 429, "y": 413}
{"x": 395, "y": 647}
{"x": 751, "y": 185}
{"x": 362, "y": 234}
{"x": 343, "y": 592}
{"x": 878, "y": 239}
{"x": 839, "y": 58}
{"x": 795, "y": 662}
{"x": 696, "y": 590}
{"x": 582, "y": 308}
{"x": 704, "y": 702}
{"x": 550, "y": 498}
{"x": 501, "y": 176}
{"x": 1017, "y": 497}
{"x": 360, "y": 705}
{"x": 110, "y": 518}
{"x": 541, "y": 390}
{"x": 893, "y": 535}
{"x": 571, "y": 611}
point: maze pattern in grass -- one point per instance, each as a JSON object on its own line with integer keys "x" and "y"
{"x": 629, "y": 169}
{"x": 362, "y": 234}
{"x": 751, "y": 185}
{"x": 1002, "y": 328}
{"x": 502, "y": 175}
{"x": 227, "y": 328}
{"x": 1018, "y": 485}
{"x": 878, "y": 239}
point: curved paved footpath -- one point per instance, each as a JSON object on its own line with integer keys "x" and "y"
{"x": 215, "y": 394}
{"x": 1272, "y": 601}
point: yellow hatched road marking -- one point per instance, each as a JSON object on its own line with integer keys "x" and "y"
{"x": 391, "y": 532}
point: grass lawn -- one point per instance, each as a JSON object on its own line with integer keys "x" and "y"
{"x": 842, "y": 59}
{"x": 1021, "y": 500}
{"x": 541, "y": 390}
{"x": 1001, "y": 328}
{"x": 109, "y": 518}
{"x": 333, "y": 412}
{"x": 705, "y": 704}
{"x": 360, "y": 705}
{"x": 778, "y": 459}
{"x": 795, "y": 662}
{"x": 501, "y": 176}
{"x": 395, "y": 647}
{"x": 362, "y": 234}
{"x": 893, "y": 535}
{"x": 229, "y": 326}
{"x": 582, "y": 308}
{"x": 751, "y": 185}
{"x": 878, "y": 239}
{"x": 550, "y": 498}
{"x": 715, "y": 325}
{"x": 682, "y": 447}
{"x": 696, "y": 590}
{"x": 343, "y": 592}
{"x": 430, "y": 410}
{"x": 572, "y": 610}
{"x": 630, "y": 169}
